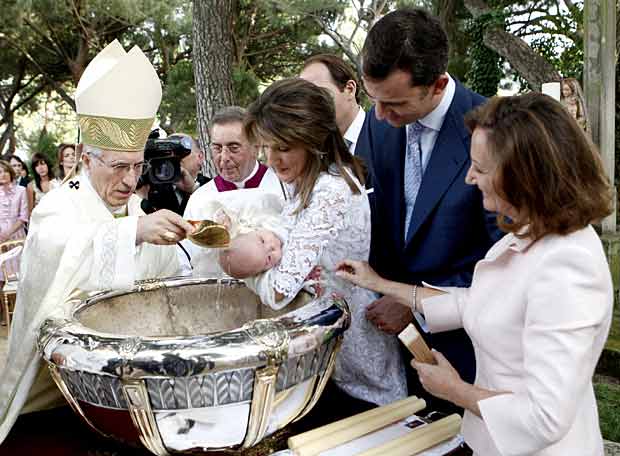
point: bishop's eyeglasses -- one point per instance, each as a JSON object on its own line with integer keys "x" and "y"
{"x": 121, "y": 169}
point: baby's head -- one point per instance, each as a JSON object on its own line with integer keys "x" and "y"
{"x": 251, "y": 253}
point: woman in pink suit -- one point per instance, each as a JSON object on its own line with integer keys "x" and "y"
{"x": 539, "y": 308}
{"x": 13, "y": 211}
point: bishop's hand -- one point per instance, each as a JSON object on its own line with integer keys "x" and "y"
{"x": 163, "y": 227}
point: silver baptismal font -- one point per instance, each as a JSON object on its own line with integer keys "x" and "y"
{"x": 187, "y": 365}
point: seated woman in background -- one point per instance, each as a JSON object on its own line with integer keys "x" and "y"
{"x": 44, "y": 180}
{"x": 539, "y": 307}
{"x": 327, "y": 218}
{"x": 13, "y": 211}
{"x": 67, "y": 158}
{"x": 21, "y": 170}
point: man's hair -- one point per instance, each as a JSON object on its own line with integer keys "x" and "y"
{"x": 547, "y": 168}
{"x": 193, "y": 140}
{"x": 409, "y": 39}
{"x": 92, "y": 150}
{"x": 339, "y": 70}
{"x": 8, "y": 168}
{"x": 297, "y": 113}
{"x": 229, "y": 114}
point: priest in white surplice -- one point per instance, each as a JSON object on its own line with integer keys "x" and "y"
{"x": 90, "y": 233}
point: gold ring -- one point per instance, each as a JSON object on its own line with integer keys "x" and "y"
{"x": 169, "y": 236}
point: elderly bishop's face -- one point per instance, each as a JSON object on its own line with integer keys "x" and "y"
{"x": 115, "y": 175}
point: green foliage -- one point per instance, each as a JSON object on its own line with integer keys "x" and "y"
{"x": 485, "y": 71}
{"x": 608, "y": 400}
{"x": 273, "y": 38}
{"x": 613, "y": 340}
{"x": 46, "y": 44}
{"x": 43, "y": 142}
{"x": 177, "y": 111}
{"x": 569, "y": 61}
{"x": 245, "y": 84}
{"x": 45, "y": 38}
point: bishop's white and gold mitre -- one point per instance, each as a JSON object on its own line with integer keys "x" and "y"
{"x": 117, "y": 99}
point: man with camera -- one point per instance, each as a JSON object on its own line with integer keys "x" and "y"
{"x": 193, "y": 164}
{"x": 90, "y": 234}
{"x": 174, "y": 174}
{"x": 191, "y": 171}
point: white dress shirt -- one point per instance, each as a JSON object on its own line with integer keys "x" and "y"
{"x": 353, "y": 132}
{"x": 433, "y": 122}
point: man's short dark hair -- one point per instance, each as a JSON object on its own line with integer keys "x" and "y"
{"x": 409, "y": 39}
{"x": 229, "y": 114}
{"x": 339, "y": 70}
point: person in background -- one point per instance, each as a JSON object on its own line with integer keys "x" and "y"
{"x": 573, "y": 100}
{"x": 21, "y": 170}
{"x": 540, "y": 303}
{"x": 334, "y": 74}
{"x": 13, "y": 211}
{"x": 191, "y": 170}
{"x": 67, "y": 159}
{"x": 427, "y": 224}
{"x": 44, "y": 180}
{"x": 194, "y": 163}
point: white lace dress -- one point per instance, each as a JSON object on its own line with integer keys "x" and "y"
{"x": 336, "y": 226}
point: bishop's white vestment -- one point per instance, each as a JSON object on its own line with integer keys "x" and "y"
{"x": 74, "y": 242}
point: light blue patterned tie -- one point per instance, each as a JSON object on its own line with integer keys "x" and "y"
{"x": 413, "y": 170}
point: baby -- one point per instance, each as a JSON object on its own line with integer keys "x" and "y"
{"x": 256, "y": 231}
{"x": 250, "y": 252}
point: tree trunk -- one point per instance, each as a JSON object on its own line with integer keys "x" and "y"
{"x": 213, "y": 54}
{"x": 446, "y": 10}
{"x": 530, "y": 65}
{"x": 8, "y": 138}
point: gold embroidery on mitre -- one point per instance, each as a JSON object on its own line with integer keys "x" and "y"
{"x": 112, "y": 133}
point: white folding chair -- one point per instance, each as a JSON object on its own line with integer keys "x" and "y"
{"x": 10, "y": 250}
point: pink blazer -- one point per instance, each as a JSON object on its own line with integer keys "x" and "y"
{"x": 538, "y": 314}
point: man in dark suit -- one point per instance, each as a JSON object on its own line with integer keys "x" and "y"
{"x": 427, "y": 224}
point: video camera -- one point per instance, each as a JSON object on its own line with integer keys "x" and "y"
{"x": 164, "y": 156}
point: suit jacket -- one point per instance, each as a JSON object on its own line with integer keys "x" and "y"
{"x": 449, "y": 231}
{"x": 538, "y": 339}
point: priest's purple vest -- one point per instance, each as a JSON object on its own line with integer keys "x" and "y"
{"x": 223, "y": 185}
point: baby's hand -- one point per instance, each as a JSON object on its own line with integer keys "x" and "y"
{"x": 222, "y": 218}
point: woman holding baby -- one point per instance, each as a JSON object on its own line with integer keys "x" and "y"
{"x": 326, "y": 217}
